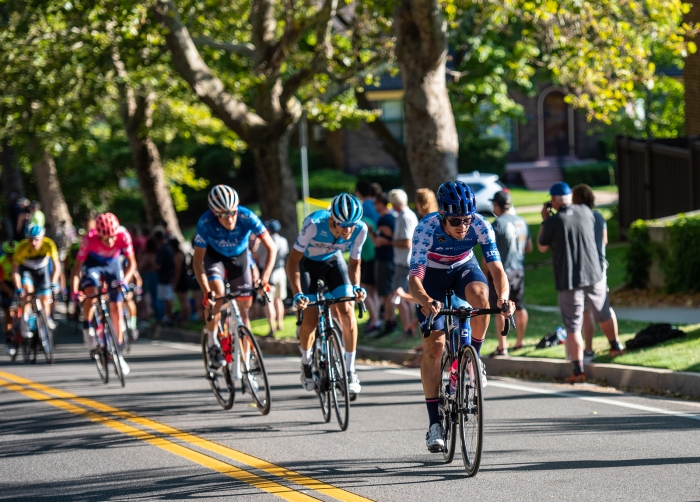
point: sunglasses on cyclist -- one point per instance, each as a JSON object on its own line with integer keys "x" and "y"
{"x": 225, "y": 214}
{"x": 344, "y": 224}
{"x": 108, "y": 238}
{"x": 456, "y": 222}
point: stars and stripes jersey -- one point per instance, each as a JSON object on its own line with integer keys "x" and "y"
{"x": 92, "y": 247}
{"x": 228, "y": 243}
{"x": 317, "y": 243}
{"x": 434, "y": 248}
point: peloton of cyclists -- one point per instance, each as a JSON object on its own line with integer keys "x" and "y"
{"x": 324, "y": 236}
{"x": 221, "y": 251}
{"x": 36, "y": 270}
{"x": 442, "y": 259}
{"x": 98, "y": 262}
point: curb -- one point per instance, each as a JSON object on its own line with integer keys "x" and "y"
{"x": 615, "y": 375}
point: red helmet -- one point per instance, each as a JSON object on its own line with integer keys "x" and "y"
{"x": 107, "y": 225}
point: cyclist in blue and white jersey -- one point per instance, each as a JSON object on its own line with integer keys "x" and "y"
{"x": 442, "y": 258}
{"x": 221, "y": 251}
{"x": 317, "y": 253}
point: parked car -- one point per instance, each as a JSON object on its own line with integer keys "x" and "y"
{"x": 484, "y": 186}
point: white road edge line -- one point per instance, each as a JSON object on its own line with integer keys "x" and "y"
{"x": 600, "y": 400}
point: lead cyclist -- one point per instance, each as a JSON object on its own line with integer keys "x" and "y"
{"x": 324, "y": 236}
{"x": 442, "y": 258}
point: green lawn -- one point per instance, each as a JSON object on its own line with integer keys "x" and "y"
{"x": 525, "y": 197}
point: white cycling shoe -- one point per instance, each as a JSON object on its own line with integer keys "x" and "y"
{"x": 433, "y": 438}
{"x": 125, "y": 367}
{"x": 354, "y": 386}
{"x": 308, "y": 382}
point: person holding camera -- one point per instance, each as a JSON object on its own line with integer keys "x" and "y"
{"x": 578, "y": 278}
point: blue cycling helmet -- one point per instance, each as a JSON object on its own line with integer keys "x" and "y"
{"x": 346, "y": 209}
{"x": 456, "y": 199}
{"x": 273, "y": 226}
{"x": 34, "y": 232}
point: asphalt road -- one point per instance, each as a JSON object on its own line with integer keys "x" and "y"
{"x": 66, "y": 436}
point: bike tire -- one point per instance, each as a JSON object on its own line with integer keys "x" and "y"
{"x": 219, "y": 379}
{"x": 470, "y": 400}
{"x": 126, "y": 346}
{"x": 112, "y": 347}
{"x": 254, "y": 374}
{"x": 45, "y": 336}
{"x": 323, "y": 389}
{"x": 446, "y": 410}
{"x": 99, "y": 356}
{"x": 338, "y": 379}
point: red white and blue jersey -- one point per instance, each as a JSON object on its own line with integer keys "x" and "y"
{"x": 434, "y": 248}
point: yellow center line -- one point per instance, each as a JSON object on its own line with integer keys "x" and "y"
{"x": 258, "y": 482}
{"x": 224, "y": 451}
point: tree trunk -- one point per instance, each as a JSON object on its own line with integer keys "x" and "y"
{"x": 391, "y": 145}
{"x": 421, "y": 49}
{"x": 53, "y": 204}
{"x": 149, "y": 170}
{"x": 276, "y": 187}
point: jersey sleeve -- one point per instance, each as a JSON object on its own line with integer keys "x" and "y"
{"x": 308, "y": 231}
{"x": 356, "y": 249}
{"x": 127, "y": 244}
{"x": 257, "y": 226}
{"x": 487, "y": 239}
{"x": 53, "y": 253}
{"x": 84, "y": 248}
{"x": 420, "y": 244}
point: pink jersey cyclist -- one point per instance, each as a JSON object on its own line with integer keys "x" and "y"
{"x": 94, "y": 252}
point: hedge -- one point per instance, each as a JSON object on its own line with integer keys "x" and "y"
{"x": 597, "y": 174}
{"x": 326, "y": 183}
{"x": 679, "y": 258}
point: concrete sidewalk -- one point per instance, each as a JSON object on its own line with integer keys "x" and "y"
{"x": 671, "y": 315}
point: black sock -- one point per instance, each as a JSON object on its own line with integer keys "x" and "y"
{"x": 432, "y": 405}
{"x": 477, "y": 346}
{"x": 578, "y": 367}
{"x": 87, "y": 324}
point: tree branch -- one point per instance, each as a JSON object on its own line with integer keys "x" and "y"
{"x": 189, "y": 64}
{"x": 234, "y": 48}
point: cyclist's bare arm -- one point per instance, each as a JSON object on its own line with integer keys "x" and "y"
{"x": 75, "y": 275}
{"x": 500, "y": 282}
{"x": 16, "y": 278}
{"x": 137, "y": 278}
{"x": 269, "y": 244}
{"x": 199, "y": 273}
{"x": 293, "y": 273}
{"x": 415, "y": 287}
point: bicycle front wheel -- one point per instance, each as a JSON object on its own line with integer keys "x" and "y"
{"x": 128, "y": 335}
{"x": 339, "y": 380}
{"x": 446, "y": 409}
{"x": 113, "y": 349}
{"x": 323, "y": 388}
{"x": 471, "y": 410}
{"x": 99, "y": 355}
{"x": 219, "y": 378}
{"x": 254, "y": 374}
{"x": 45, "y": 336}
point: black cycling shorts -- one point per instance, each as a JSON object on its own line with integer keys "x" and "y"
{"x": 234, "y": 269}
{"x": 39, "y": 278}
{"x": 334, "y": 273}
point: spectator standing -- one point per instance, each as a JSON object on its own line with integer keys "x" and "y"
{"x": 513, "y": 241}
{"x": 426, "y": 202}
{"x": 181, "y": 280}
{"x": 577, "y": 275}
{"x": 165, "y": 266}
{"x": 384, "y": 260}
{"x": 274, "y": 311}
{"x": 582, "y": 194}
{"x": 404, "y": 226}
{"x": 19, "y": 213}
{"x": 366, "y": 192}
{"x": 367, "y": 279}
{"x": 147, "y": 269}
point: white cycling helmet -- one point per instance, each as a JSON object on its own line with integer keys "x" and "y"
{"x": 346, "y": 209}
{"x": 222, "y": 199}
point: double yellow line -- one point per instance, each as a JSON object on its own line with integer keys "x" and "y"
{"x": 108, "y": 416}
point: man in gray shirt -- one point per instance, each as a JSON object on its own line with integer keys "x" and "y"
{"x": 513, "y": 241}
{"x": 577, "y": 275}
{"x": 404, "y": 226}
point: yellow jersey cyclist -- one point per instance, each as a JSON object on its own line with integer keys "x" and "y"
{"x": 36, "y": 270}
{"x": 442, "y": 259}
{"x": 317, "y": 253}
{"x": 221, "y": 252}
{"x": 7, "y": 291}
{"x": 97, "y": 262}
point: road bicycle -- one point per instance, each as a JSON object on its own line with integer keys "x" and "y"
{"x": 107, "y": 342}
{"x": 329, "y": 358}
{"x": 129, "y": 335}
{"x": 465, "y": 404}
{"x": 33, "y": 330}
{"x": 244, "y": 359}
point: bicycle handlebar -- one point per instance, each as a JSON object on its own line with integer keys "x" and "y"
{"x": 233, "y": 296}
{"x": 467, "y": 312}
{"x": 331, "y": 301}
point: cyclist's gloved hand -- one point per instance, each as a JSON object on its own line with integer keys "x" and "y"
{"x": 507, "y": 307}
{"x": 360, "y": 292}
{"x": 300, "y": 300}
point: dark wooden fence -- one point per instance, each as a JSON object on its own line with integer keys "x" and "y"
{"x": 657, "y": 178}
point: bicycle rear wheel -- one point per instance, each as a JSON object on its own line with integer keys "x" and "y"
{"x": 471, "y": 410}
{"x": 45, "y": 336}
{"x": 338, "y": 380}
{"x": 323, "y": 388}
{"x": 446, "y": 409}
{"x": 254, "y": 374}
{"x": 99, "y": 355}
{"x": 113, "y": 349}
{"x": 219, "y": 378}
{"x": 126, "y": 345}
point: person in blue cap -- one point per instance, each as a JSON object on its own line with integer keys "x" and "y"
{"x": 569, "y": 233}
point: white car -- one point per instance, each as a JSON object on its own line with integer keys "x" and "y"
{"x": 484, "y": 186}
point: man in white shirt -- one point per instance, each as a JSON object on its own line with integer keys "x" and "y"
{"x": 404, "y": 226}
